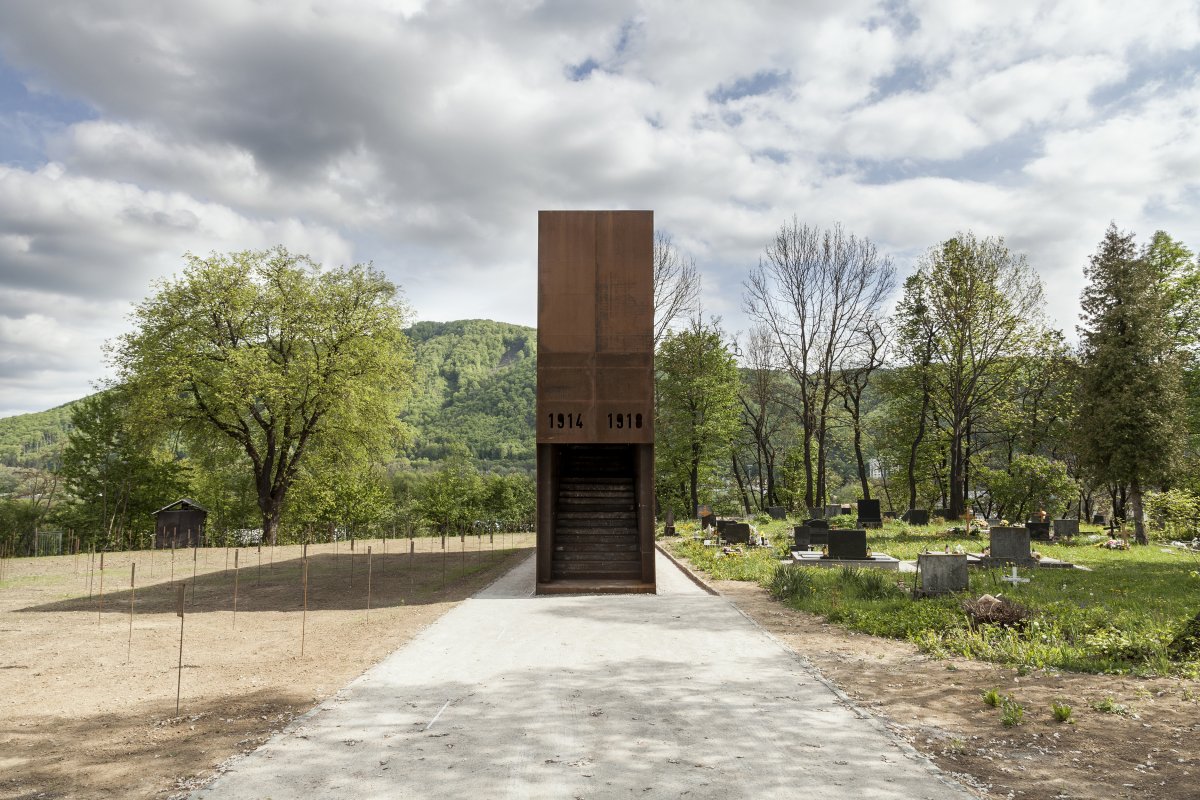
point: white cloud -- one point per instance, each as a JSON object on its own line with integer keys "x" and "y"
{"x": 425, "y": 136}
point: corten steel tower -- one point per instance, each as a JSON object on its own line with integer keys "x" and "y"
{"x": 595, "y": 402}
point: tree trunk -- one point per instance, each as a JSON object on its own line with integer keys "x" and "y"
{"x": 954, "y": 506}
{"x": 912, "y": 452}
{"x": 737, "y": 473}
{"x": 694, "y": 481}
{"x": 1139, "y": 519}
{"x": 808, "y": 465}
{"x": 270, "y": 525}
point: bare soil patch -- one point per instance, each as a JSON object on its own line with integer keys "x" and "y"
{"x": 1150, "y": 750}
{"x": 77, "y": 719}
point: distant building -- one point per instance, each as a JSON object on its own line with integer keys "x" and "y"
{"x": 180, "y": 524}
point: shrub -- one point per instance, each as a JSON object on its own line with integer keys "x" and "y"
{"x": 993, "y": 698}
{"x": 791, "y": 580}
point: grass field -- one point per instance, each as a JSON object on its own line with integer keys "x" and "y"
{"x": 1119, "y": 617}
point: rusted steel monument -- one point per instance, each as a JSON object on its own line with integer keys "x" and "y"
{"x": 595, "y": 402}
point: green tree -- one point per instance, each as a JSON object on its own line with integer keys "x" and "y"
{"x": 117, "y": 474}
{"x": 509, "y": 499}
{"x": 697, "y": 399}
{"x": 452, "y": 497}
{"x": 1130, "y": 403}
{"x": 983, "y": 304}
{"x": 269, "y": 351}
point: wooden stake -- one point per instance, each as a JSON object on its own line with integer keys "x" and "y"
{"x": 195, "y": 563}
{"x": 91, "y": 568}
{"x": 235, "y": 587}
{"x": 101, "y": 609}
{"x": 132, "y": 598}
{"x": 259, "y": 579}
{"x": 304, "y": 614}
{"x": 368, "y": 584}
{"x": 172, "y": 560}
{"x": 180, "y": 589}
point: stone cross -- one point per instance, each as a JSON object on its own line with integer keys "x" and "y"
{"x": 1014, "y": 579}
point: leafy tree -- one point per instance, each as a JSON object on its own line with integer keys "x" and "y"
{"x": 983, "y": 306}
{"x": 451, "y": 497}
{"x": 117, "y": 475}
{"x": 510, "y": 499}
{"x": 1027, "y": 484}
{"x": 268, "y": 351}
{"x": 1130, "y": 404}
{"x": 697, "y": 399}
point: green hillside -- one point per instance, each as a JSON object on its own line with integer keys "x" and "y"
{"x": 474, "y": 385}
{"x": 34, "y": 440}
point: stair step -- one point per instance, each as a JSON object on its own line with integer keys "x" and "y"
{"x": 602, "y": 559}
{"x": 575, "y": 570}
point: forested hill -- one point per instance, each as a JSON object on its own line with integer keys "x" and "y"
{"x": 34, "y": 440}
{"x": 474, "y": 385}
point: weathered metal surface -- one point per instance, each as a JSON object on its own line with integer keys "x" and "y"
{"x": 595, "y": 327}
{"x": 595, "y": 401}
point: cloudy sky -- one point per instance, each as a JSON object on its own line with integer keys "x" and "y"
{"x": 424, "y": 136}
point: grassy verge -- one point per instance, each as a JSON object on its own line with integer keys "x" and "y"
{"x": 1119, "y": 618}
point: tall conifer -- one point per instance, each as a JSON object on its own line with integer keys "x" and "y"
{"x": 1130, "y": 414}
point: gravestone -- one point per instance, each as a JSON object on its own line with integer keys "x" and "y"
{"x": 1009, "y": 543}
{"x": 941, "y": 513}
{"x": 708, "y": 521}
{"x": 669, "y": 523}
{"x": 848, "y": 544}
{"x": 1039, "y": 529}
{"x": 832, "y": 510}
{"x": 1066, "y": 528}
{"x": 737, "y": 533}
{"x": 802, "y": 537}
{"x": 815, "y": 513}
{"x": 942, "y": 573}
{"x": 916, "y": 516}
{"x": 723, "y": 526}
{"x": 777, "y": 512}
{"x": 846, "y": 509}
{"x": 1099, "y": 519}
{"x": 890, "y": 515}
{"x": 818, "y": 531}
{"x": 869, "y": 515}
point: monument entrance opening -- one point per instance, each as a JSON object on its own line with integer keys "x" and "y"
{"x": 595, "y": 402}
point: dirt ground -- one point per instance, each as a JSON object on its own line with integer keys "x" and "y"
{"x": 88, "y": 711}
{"x": 1150, "y": 751}
{"x": 79, "y": 720}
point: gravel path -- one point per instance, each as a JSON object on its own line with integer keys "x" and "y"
{"x": 515, "y": 696}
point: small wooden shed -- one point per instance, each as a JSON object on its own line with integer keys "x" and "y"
{"x": 180, "y": 524}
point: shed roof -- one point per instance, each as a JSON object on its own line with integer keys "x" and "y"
{"x": 182, "y": 504}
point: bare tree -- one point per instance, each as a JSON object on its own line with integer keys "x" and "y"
{"x": 762, "y": 409}
{"x": 814, "y": 290}
{"x": 870, "y": 354}
{"x": 676, "y": 284}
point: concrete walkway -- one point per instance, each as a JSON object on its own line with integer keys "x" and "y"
{"x": 515, "y": 696}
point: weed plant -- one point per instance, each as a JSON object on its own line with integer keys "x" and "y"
{"x": 1011, "y": 712}
{"x": 1061, "y": 711}
{"x": 1120, "y": 617}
